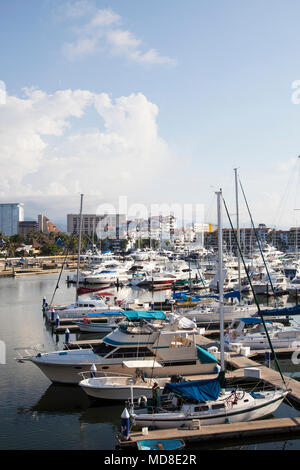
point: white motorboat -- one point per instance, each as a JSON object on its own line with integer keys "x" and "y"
{"x": 281, "y": 336}
{"x": 279, "y": 283}
{"x": 86, "y": 305}
{"x": 122, "y": 387}
{"x": 105, "y": 325}
{"x": 172, "y": 344}
{"x": 107, "y": 276}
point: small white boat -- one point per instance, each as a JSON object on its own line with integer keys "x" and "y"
{"x": 106, "y": 325}
{"x": 119, "y": 387}
{"x": 281, "y": 336}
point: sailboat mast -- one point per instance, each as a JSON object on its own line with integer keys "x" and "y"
{"x": 221, "y": 280}
{"x": 237, "y": 227}
{"x": 79, "y": 245}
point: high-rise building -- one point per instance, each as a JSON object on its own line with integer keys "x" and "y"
{"x": 10, "y": 216}
{"x": 105, "y": 226}
{"x": 46, "y": 226}
{"x": 28, "y": 226}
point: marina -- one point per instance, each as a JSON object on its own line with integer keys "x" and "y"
{"x": 236, "y": 365}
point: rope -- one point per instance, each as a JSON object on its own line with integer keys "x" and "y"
{"x": 254, "y": 295}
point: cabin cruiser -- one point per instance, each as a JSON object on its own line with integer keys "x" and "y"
{"x": 170, "y": 343}
{"x": 209, "y": 311}
{"x": 256, "y": 338}
{"x": 84, "y": 306}
{"x": 293, "y": 287}
{"x": 279, "y": 283}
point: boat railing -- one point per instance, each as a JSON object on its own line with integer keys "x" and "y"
{"x": 26, "y": 352}
{"x": 92, "y": 374}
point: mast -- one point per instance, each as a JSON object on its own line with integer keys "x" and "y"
{"x": 79, "y": 246}
{"x": 237, "y": 227}
{"x": 221, "y": 281}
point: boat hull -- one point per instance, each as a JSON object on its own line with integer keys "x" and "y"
{"x": 170, "y": 420}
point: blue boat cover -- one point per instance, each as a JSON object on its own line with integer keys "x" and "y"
{"x": 281, "y": 311}
{"x": 205, "y": 357}
{"x": 228, "y": 295}
{"x": 252, "y": 320}
{"x": 196, "y": 390}
{"x": 117, "y": 313}
{"x": 134, "y": 315}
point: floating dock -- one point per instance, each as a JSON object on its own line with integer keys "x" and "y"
{"x": 218, "y": 432}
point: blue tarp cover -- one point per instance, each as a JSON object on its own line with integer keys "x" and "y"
{"x": 134, "y": 315}
{"x": 205, "y": 357}
{"x": 281, "y": 311}
{"x": 252, "y": 321}
{"x": 195, "y": 391}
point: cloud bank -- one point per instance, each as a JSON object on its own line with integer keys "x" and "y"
{"x": 102, "y": 32}
{"x": 48, "y": 149}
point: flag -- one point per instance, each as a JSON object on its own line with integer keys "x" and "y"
{"x": 2, "y": 242}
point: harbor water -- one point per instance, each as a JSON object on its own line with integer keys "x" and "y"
{"x": 35, "y": 414}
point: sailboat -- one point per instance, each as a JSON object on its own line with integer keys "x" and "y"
{"x": 207, "y": 400}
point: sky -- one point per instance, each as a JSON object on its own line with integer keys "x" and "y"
{"x": 156, "y": 101}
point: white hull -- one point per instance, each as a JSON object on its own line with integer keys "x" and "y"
{"x": 69, "y": 373}
{"x": 95, "y": 327}
{"x": 175, "y": 420}
{"x": 117, "y": 388}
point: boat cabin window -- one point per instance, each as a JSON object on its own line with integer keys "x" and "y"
{"x": 202, "y": 408}
{"x": 217, "y": 406}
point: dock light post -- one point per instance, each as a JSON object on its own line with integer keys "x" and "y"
{"x": 57, "y": 321}
{"x": 52, "y": 315}
{"x": 125, "y": 417}
{"x": 67, "y": 336}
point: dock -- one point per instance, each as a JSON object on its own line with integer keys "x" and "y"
{"x": 236, "y": 363}
{"x": 218, "y": 432}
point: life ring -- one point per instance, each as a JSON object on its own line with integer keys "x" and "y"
{"x": 142, "y": 401}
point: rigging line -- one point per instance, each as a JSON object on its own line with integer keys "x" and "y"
{"x": 259, "y": 243}
{"x": 62, "y": 267}
{"x": 254, "y": 295}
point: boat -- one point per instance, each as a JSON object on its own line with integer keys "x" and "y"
{"x": 256, "y": 338}
{"x": 207, "y": 400}
{"x": 145, "y": 335}
{"x": 105, "y": 325}
{"x": 160, "y": 444}
{"x": 83, "y": 306}
{"x": 122, "y": 387}
{"x": 204, "y": 400}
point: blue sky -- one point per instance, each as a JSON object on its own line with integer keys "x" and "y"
{"x": 215, "y": 94}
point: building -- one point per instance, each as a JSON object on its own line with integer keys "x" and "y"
{"x": 27, "y": 226}
{"x": 10, "y": 216}
{"x": 112, "y": 226}
{"x": 46, "y": 226}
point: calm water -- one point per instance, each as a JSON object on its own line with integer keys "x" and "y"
{"x": 34, "y": 414}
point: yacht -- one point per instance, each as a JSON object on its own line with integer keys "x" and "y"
{"x": 171, "y": 343}
{"x": 256, "y": 337}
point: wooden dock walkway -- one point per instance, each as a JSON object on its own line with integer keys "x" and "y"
{"x": 215, "y": 432}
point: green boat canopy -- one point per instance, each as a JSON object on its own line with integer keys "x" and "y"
{"x": 135, "y": 315}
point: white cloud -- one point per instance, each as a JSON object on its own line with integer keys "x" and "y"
{"x": 100, "y": 32}
{"x": 45, "y": 152}
{"x": 79, "y": 48}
